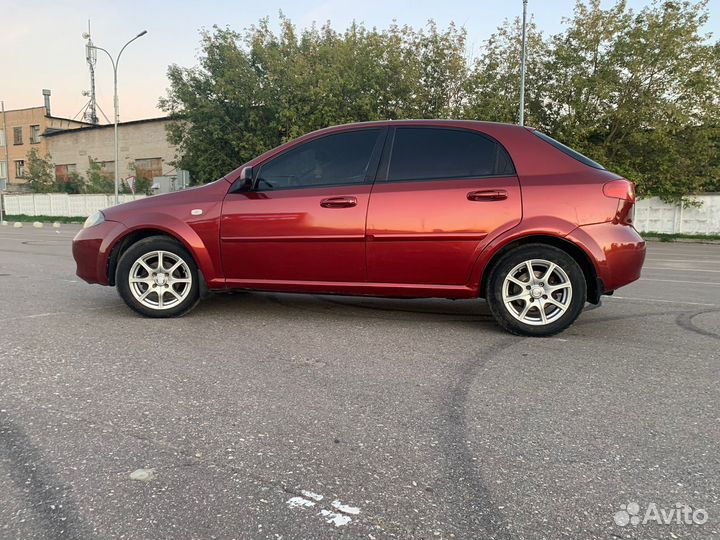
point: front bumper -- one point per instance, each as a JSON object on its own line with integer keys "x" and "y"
{"x": 91, "y": 249}
{"x": 617, "y": 250}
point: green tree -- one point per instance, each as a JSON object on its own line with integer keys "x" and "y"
{"x": 96, "y": 181}
{"x": 73, "y": 185}
{"x": 40, "y": 172}
{"x": 636, "y": 90}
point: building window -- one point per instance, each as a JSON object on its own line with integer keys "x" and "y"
{"x": 19, "y": 168}
{"x": 148, "y": 168}
{"x": 3, "y": 170}
{"x": 17, "y": 135}
{"x": 63, "y": 172}
{"x": 107, "y": 169}
{"x": 34, "y": 134}
{"x": 2, "y": 138}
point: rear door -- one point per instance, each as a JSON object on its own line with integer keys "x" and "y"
{"x": 441, "y": 195}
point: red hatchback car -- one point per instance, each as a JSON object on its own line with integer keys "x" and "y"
{"x": 425, "y": 208}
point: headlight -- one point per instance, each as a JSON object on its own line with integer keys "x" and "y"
{"x": 94, "y": 219}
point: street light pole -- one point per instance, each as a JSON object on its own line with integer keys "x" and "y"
{"x": 116, "y": 102}
{"x": 522, "y": 67}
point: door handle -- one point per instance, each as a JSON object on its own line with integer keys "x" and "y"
{"x": 339, "y": 202}
{"x": 488, "y": 195}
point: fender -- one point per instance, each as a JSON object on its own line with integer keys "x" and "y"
{"x": 536, "y": 226}
{"x": 195, "y": 236}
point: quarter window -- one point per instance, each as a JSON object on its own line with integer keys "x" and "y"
{"x": 436, "y": 153}
{"x": 336, "y": 159}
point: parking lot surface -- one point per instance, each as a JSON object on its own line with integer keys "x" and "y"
{"x": 298, "y": 416}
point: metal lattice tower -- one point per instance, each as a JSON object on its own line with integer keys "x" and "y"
{"x": 91, "y": 58}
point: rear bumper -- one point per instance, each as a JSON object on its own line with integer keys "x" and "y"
{"x": 617, "y": 250}
{"x": 91, "y": 250}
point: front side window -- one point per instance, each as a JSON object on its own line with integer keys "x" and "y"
{"x": 437, "y": 153}
{"x": 336, "y": 159}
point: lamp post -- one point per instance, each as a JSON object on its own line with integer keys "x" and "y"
{"x": 522, "y": 68}
{"x": 115, "y": 63}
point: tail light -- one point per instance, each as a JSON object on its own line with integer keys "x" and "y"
{"x": 624, "y": 190}
{"x": 620, "y": 189}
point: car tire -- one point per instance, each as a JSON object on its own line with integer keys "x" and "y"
{"x": 157, "y": 277}
{"x": 542, "y": 305}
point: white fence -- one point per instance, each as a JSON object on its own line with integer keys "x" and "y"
{"x": 654, "y": 215}
{"x": 651, "y": 215}
{"x": 60, "y": 204}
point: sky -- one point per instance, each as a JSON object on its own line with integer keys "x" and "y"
{"x": 41, "y": 43}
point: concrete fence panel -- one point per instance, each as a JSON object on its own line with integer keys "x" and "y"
{"x": 651, "y": 215}
{"x": 60, "y": 204}
{"x": 654, "y": 215}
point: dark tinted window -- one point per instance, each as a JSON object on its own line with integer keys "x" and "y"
{"x": 569, "y": 151}
{"x": 428, "y": 153}
{"x": 341, "y": 158}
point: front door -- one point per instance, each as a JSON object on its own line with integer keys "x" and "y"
{"x": 304, "y": 221}
{"x": 441, "y": 194}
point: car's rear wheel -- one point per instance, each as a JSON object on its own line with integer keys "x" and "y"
{"x": 536, "y": 290}
{"x": 157, "y": 277}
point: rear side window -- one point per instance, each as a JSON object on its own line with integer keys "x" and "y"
{"x": 569, "y": 151}
{"x": 336, "y": 159}
{"x": 436, "y": 153}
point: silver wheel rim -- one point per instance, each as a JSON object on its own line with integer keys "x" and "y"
{"x": 537, "y": 292}
{"x": 160, "y": 280}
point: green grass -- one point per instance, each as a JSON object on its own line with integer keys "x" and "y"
{"x": 45, "y": 219}
{"x": 664, "y": 237}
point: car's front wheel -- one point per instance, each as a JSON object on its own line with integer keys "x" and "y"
{"x": 157, "y": 277}
{"x": 536, "y": 290}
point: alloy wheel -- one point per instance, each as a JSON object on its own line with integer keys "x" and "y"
{"x": 537, "y": 292}
{"x": 160, "y": 280}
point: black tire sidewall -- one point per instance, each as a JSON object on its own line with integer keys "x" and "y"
{"x": 535, "y": 251}
{"x": 137, "y": 250}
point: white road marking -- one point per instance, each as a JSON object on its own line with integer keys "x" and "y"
{"x": 300, "y": 502}
{"x": 312, "y": 495}
{"x": 689, "y": 261}
{"x": 679, "y": 281}
{"x": 658, "y": 300}
{"x": 339, "y": 518}
{"x": 344, "y": 508}
{"x": 681, "y": 269}
{"x": 336, "y": 519}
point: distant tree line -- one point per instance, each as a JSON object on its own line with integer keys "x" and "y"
{"x": 638, "y": 91}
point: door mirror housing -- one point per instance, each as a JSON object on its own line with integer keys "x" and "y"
{"x": 247, "y": 179}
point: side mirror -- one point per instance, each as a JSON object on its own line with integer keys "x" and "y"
{"x": 247, "y": 178}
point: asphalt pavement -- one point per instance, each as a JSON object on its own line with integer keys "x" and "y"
{"x": 298, "y": 416}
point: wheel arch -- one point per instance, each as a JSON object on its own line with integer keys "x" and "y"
{"x": 594, "y": 285}
{"x": 133, "y": 236}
